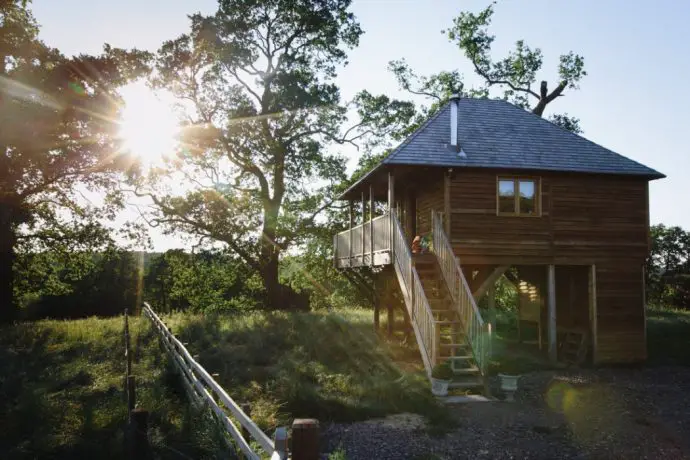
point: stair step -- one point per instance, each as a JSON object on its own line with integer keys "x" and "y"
{"x": 455, "y": 345}
{"x": 447, "y": 323}
{"x": 466, "y": 371}
{"x": 467, "y": 382}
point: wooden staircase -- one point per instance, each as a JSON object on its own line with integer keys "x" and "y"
{"x": 452, "y": 344}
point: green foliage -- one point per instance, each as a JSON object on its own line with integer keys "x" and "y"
{"x": 209, "y": 281}
{"x": 442, "y": 371}
{"x": 329, "y": 366}
{"x": 257, "y": 80}
{"x": 668, "y": 267}
{"x": 61, "y": 386}
{"x": 80, "y": 285}
{"x": 58, "y": 138}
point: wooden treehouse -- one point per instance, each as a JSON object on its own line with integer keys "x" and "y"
{"x": 490, "y": 186}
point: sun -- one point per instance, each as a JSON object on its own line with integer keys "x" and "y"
{"x": 148, "y": 127}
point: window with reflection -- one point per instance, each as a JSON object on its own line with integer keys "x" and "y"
{"x": 517, "y": 196}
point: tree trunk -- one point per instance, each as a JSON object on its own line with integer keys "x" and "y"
{"x": 269, "y": 256}
{"x": 7, "y": 257}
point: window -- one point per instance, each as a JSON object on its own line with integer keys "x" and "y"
{"x": 517, "y": 197}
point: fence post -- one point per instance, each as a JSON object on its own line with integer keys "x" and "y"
{"x": 280, "y": 441}
{"x": 131, "y": 393}
{"x": 305, "y": 439}
{"x": 139, "y": 440}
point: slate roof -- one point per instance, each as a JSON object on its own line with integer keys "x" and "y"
{"x": 496, "y": 134}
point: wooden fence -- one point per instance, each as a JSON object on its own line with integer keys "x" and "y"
{"x": 204, "y": 390}
{"x": 136, "y": 439}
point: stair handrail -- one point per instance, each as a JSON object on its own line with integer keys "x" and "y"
{"x": 477, "y": 331}
{"x": 421, "y": 316}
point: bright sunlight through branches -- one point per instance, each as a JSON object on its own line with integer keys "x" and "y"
{"x": 149, "y": 127}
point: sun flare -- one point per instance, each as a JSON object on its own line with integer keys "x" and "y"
{"x": 149, "y": 127}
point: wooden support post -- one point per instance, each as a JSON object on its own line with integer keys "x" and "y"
{"x": 446, "y": 202}
{"x": 379, "y": 295}
{"x": 553, "y": 336}
{"x": 391, "y": 316}
{"x": 364, "y": 219}
{"x": 305, "y": 439}
{"x": 371, "y": 225}
{"x": 139, "y": 439}
{"x": 593, "y": 310}
{"x": 391, "y": 204}
{"x": 491, "y": 292}
{"x": 352, "y": 224}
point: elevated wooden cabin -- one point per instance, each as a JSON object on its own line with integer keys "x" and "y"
{"x": 496, "y": 187}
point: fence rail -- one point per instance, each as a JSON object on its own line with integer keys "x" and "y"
{"x": 203, "y": 389}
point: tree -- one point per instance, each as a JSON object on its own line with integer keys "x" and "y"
{"x": 516, "y": 74}
{"x": 57, "y": 135}
{"x": 255, "y": 83}
{"x": 668, "y": 266}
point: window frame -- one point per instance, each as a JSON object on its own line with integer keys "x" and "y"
{"x": 516, "y": 195}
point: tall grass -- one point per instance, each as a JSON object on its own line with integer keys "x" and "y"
{"x": 61, "y": 393}
{"x": 329, "y": 366}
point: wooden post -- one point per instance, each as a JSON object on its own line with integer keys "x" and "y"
{"x": 391, "y": 316}
{"x": 280, "y": 440}
{"x": 492, "y": 305}
{"x": 131, "y": 393}
{"x": 446, "y": 202}
{"x": 305, "y": 439}
{"x": 553, "y": 337}
{"x": 352, "y": 224}
{"x": 593, "y": 310}
{"x": 335, "y": 251}
{"x": 364, "y": 219}
{"x": 139, "y": 440}
{"x": 371, "y": 225}
{"x": 128, "y": 354}
{"x": 391, "y": 204}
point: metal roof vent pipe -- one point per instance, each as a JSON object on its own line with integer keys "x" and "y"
{"x": 454, "y": 144}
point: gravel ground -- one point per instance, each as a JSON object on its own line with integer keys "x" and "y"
{"x": 572, "y": 414}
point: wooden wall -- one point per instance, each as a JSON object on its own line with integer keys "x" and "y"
{"x": 585, "y": 220}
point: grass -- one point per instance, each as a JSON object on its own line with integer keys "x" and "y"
{"x": 61, "y": 382}
{"x": 510, "y": 357}
{"x": 668, "y": 336}
{"x": 329, "y": 366}
{"x": 61, "y": 393}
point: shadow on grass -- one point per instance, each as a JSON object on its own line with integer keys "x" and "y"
{"x": 329, "y": 366}
{"x": 61, "y": 394}
{"x": 668, "y": 336}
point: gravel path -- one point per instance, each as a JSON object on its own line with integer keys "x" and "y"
{"x": 584, "y": 414}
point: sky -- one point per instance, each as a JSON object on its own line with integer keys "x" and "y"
{"x": 633, "y": 101}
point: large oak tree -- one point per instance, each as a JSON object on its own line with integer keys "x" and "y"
{"x": 515, "y": 74}
{"x": 256, "y": 86}
{"x": 58, "y": 129}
